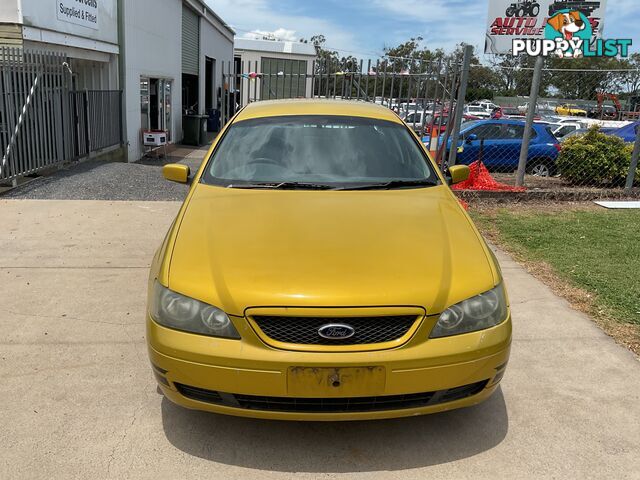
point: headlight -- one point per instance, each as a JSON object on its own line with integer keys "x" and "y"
{"x": 476, "y": 313}
{"x": 174, "y": 310}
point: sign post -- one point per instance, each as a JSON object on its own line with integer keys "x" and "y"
{"x": 531, "y": 112}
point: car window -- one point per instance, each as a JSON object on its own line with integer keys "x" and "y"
{"x": 486, "y": 131}
{"x": 511, "y": 132}
{"x": 332, "y": 150}
{"x": 566, "y": 129}
{"x": 469, "y": 127}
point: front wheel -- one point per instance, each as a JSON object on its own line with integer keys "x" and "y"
{"x": 535, "y": 10}
{"x": 520, "y": 12}
{"x": 541, "y": 168}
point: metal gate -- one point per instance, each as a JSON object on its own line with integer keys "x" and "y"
{"x": 42, "y": 122}
{"x": 422, "y": 92}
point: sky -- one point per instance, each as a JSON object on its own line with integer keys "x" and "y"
{"x": 363, "y": 28}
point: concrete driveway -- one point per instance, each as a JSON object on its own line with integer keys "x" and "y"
{"x": 78, "y": 399}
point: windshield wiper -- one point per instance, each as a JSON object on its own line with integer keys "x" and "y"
{"x": 284, "y": 186}
{"x": 423, "y": 182}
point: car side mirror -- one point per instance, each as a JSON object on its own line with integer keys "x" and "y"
{"x": 176, "y": 172}
{"x": 458, "y": 173}
{"x": 472, "y": 137}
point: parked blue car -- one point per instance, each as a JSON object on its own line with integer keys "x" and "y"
{"x": 498, "y": 142}
{"x": 628, "y": 133}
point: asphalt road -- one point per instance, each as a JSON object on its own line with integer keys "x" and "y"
{"x": 79, "y": 399}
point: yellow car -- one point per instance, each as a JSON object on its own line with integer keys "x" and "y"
{"x": 320, "y": 268}
{"x": 571, "y": 110}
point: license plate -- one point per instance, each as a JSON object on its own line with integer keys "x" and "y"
{"x": 336, "y": 382}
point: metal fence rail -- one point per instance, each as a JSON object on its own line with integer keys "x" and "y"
{"x": 105, "y": 111}
{"x": 42, "y": 121}
{"x": 526, "y": 144}
{"x": 423, "y": 93}
{"x": 591, "y": 118}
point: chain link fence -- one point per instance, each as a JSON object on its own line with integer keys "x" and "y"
{"x": 422, "y": 93}
{"x": 575, "y": 131}
{"x": 583, "y": 126}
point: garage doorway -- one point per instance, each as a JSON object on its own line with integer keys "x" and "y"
{"x": 156, "y": 104}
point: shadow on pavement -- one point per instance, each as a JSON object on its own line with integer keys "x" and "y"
{"x": 338, "y": 447}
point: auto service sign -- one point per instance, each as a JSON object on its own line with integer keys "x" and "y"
{"x": 527, "y": 19}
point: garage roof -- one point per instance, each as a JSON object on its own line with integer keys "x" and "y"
{"x": 297, "y": 48}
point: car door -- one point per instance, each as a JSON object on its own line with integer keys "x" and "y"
{"x": 484, "y": 133}
{"x": 505, "y": 148}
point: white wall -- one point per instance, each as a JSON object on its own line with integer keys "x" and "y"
{"x": 91, "y": 75}
{"x": 152, "y": 48}
{"x": 10, "y": 11}
{"x": 213, "y": 44}
{"x": 46, "y": 14}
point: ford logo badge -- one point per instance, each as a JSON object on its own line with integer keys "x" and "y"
{"x": 336, "y": 331}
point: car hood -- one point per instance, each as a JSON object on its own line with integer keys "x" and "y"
{"x": 239, "y": 248}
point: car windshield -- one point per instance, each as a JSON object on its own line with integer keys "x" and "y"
{"x": 317, "y": 150}
{"x": 469, "y": 125}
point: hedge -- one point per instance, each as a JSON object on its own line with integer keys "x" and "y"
{"x": 594, "y": 158}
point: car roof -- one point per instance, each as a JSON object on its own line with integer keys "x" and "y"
{"x": 504, "y": 121}
{"x": 501, "y": 121}
{"x": 277, "y": 108}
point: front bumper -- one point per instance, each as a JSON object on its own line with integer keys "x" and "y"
{"x": 249, "y": 369}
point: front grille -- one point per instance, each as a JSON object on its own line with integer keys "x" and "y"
{"x": 304, "y": 330}
{"x": 332, "y": 405}
{"x": 207, "y": 396}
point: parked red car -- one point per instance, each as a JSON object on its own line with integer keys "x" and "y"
{"x": 433, "y": 122}
{"x": 510, "y": 112}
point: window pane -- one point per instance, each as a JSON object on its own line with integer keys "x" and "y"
{"x": 486, "y": 132}
{"x": 326, "y": 149}
{"x": 512, "y": 132}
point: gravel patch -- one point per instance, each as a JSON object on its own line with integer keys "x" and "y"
{"x": 97, "y": 180}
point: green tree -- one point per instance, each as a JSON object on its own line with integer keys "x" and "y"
{"x": 599, "y": 76}
{"x": 483, "y": 80}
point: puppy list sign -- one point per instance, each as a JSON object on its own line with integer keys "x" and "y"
{"x": 566, "y": 28}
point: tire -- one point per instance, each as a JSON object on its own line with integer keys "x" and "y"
{"x": 535, "y": 10}
{"x": 541, "y": 168}
{"x": 520, "y": 12}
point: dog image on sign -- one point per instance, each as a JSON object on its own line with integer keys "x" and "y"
{"x": 568, "y": 25}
